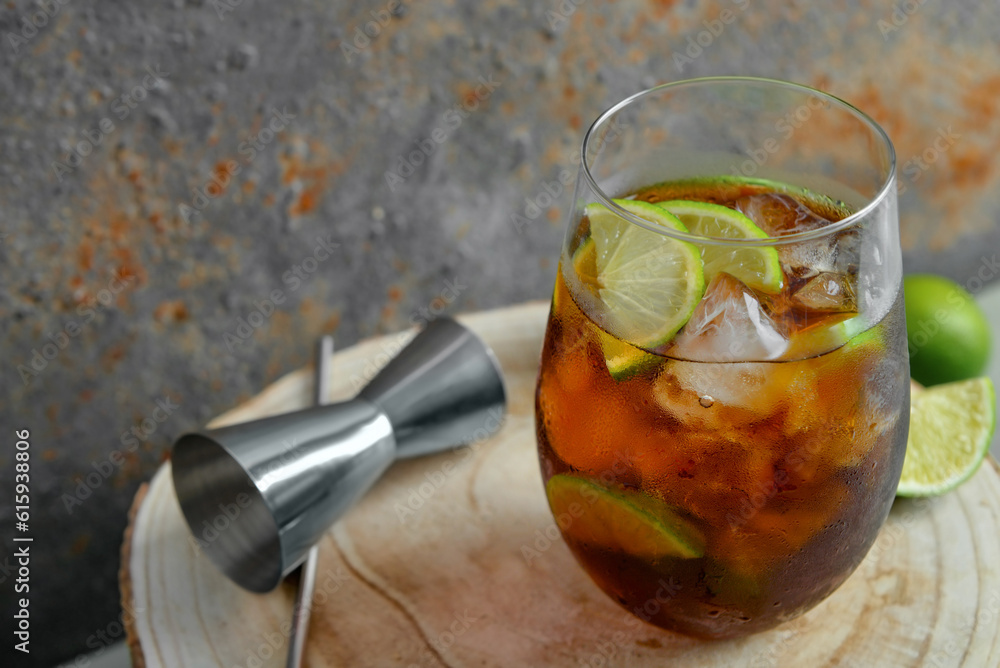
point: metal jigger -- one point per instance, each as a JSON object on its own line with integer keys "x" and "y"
{"x": 257, "y": 496}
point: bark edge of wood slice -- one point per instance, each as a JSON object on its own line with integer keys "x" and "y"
{"x": 429, "y": 569}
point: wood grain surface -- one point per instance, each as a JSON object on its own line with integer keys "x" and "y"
{"x": 429, "y": 570}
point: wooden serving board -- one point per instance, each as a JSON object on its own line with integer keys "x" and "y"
{"x": 429, "y": 570}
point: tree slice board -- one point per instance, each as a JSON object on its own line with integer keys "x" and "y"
{"x": 429, "y": 569}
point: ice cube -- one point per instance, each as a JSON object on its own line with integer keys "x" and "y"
{"x": 805, "y": 259}
{"x": 729, "y": 386}
{"x": 728, "y": 325}
{"x": 827, "y": 291}
{"x": 847, "y": 251}
{"x": 779, "y": 214}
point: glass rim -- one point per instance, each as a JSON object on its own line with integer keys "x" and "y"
{"x": 809, "y": 235}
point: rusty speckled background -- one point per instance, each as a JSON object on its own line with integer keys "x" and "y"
{"x": 150, "y": 298}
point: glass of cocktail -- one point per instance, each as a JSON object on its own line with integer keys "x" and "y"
{"x": 723, "y": 400}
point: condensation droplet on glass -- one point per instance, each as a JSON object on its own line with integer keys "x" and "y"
{"x": 706, "y": 401}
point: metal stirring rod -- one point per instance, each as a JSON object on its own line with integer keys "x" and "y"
{"x": 307, "y": 571}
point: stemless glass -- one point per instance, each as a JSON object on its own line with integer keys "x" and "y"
{"x": 723, "y": 404}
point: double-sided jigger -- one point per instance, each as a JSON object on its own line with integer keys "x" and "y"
{"x": 283, "y": 481}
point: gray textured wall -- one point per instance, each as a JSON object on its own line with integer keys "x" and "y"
{"x": 141, "y": 298}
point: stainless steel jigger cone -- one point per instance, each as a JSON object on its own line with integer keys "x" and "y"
{"x": 258, "y": 495}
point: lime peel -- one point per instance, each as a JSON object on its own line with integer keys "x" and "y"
{"x": 948, "y": 332}
{"x": 625, "y": 361}
{"x": 621, "y": 521}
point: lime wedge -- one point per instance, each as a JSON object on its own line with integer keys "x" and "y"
{"x": 621, "y": 521}
{"x": 950, "y": 430}
{"x": 825, "y": 338}
{"x": 861, "y": 341}
{"x": 625, "y": 361}
{"x": 648, "y": 283}
{"x": 758, "y": 267}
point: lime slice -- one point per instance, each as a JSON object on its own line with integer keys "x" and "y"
{"x": 623, "y": 360}
{"x": 758, "y": 267}
{"x": 950, "y": 430}
{"x": 648, "y": 283}
{"x": 621, "y": 521}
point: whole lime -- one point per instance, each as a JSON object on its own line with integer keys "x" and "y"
{"x": 947, "y": 332}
